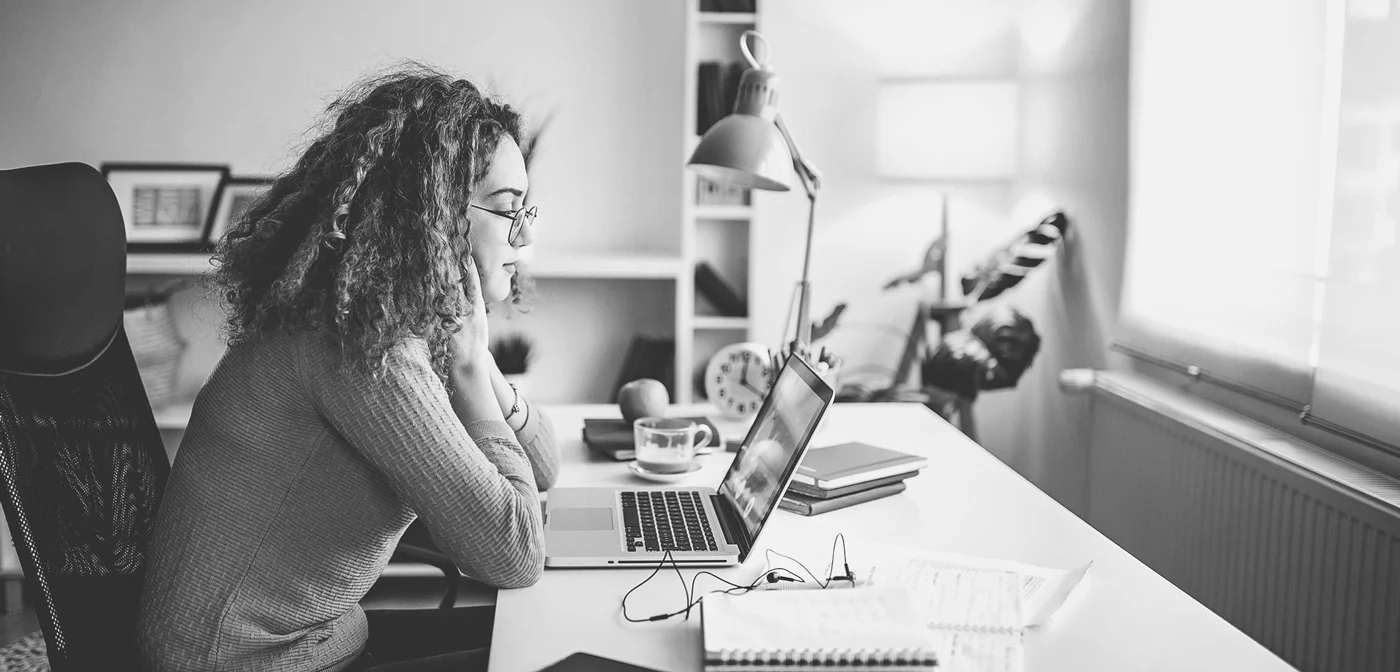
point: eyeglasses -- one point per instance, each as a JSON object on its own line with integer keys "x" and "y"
{"x": 518, "y": 219}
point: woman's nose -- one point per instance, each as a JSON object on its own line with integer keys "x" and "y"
{"x": 526, "y": 237}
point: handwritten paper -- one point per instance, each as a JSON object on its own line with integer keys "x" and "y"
{"x": 1043, "y": 590}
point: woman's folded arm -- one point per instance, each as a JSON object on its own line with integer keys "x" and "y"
{"x": 473, "y": 485}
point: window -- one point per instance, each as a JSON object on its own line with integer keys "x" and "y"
{"x": 1265, "y": 201}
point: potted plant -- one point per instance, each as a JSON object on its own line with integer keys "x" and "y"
{"x": 513, "y": 354}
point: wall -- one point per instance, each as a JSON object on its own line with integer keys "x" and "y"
{"x": 1070, "y": 59}
{"x": 1074, "y": 93}
{"x": 831, "y": 56}
{"x": 241, "y": 83}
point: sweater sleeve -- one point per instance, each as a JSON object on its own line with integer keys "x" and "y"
{"x": 537, "y": 438}
{"x": 473, "y": 485}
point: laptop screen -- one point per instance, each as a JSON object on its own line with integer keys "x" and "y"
{"x": 774, "y": 446}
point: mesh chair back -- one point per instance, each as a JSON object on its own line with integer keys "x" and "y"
{"x": 82, "y": 469}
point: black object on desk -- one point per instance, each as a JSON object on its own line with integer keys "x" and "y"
{"x": 615, "y": 438}
{"x": 587, "y": 662}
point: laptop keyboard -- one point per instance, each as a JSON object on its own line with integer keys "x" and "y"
{"x": 665, "y": 520}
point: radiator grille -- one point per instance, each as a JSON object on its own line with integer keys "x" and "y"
{"x": 1307, "y": 567}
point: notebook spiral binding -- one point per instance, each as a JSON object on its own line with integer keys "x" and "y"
{"x": 976, "y": 629}
{"x": 868, "y": 658}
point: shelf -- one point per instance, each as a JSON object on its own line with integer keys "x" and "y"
{"x": 606, "y": 266}
{"x": 726, "y": 212}
{"x": 600, "y": 265}
{"x": 727, "y": 17}
{"x": 174, "y": 416}
{"x": 718, "y": 322}
{"x": 184, "y": 263}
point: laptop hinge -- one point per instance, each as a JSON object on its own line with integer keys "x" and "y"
{"x": 730, "y": 526}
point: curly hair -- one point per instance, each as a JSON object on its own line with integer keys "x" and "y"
{"x": 365, "y": 237}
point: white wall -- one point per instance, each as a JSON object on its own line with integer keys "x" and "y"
{"x": 831, "y": 56}
{"x": 240, "y": 83}
{"x": 1070, "y": 59}
{"x": 1074, "y": 99}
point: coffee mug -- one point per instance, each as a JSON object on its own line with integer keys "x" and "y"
{"x": 668, "y": 445}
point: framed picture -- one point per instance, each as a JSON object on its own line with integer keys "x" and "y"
{"x": 166, "y": 206}
{"x": 234, "y": 197}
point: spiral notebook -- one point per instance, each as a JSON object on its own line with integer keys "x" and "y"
{"x": 835, "y": 630}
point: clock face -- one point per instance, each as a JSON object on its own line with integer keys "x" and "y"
{"x": 737, "y": 379}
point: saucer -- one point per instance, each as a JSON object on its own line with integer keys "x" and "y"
{"x": 662, "y": 478}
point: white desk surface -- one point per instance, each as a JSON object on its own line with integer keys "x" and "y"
{"x": 1122, "y": 616}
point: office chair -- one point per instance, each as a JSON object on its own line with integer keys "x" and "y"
{"x": 82, "y": 466}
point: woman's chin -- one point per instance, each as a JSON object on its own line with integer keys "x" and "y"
{"x": 497, "y": 291}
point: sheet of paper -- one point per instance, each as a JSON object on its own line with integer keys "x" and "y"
{"x": 1043, "y": 590}
{"x": 977, "y": 601}
{"x": 964, "y": 652}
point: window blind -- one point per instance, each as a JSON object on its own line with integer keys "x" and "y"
{"x": 1227, "y": 147}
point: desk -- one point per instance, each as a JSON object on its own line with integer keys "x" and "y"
{"x": 1122, "y": 616}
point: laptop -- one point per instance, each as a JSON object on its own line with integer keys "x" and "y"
{"x": 700, "y": 526}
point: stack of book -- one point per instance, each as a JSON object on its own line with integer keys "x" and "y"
{"x": 849, "y": 473}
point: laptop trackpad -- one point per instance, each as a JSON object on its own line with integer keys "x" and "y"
{"x": 578, "y": 519}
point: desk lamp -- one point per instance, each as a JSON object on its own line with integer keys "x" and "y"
{"x": 752, "y": 148}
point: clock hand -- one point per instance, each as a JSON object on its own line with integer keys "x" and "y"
{"x": 744, "y": 379}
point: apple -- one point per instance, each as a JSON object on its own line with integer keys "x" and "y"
{"x": 643, "y": 398}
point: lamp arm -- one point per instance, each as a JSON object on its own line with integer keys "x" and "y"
{"x": 811, "y": 182}
{"x": 811, "y": 177}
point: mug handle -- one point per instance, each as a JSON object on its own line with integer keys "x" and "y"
{"x": 703, "y": 429}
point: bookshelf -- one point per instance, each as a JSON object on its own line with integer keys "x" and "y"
{"x": 716, "y": 231}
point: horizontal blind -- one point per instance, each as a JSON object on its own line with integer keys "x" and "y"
{"x": 1226, "y": 187}
{"x": 1358, "y": 366}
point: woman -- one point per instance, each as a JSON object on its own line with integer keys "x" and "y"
{"x": 357, "y": 394}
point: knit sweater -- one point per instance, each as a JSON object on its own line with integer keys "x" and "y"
{"x": 297, "y": 476}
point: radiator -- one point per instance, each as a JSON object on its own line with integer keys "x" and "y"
{"x": 1297, "y": 548}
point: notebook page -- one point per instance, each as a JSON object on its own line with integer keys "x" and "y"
{"x": 870, "y": 619}
{"x": 1043, "y": 589}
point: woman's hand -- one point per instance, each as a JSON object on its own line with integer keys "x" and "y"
{"x": 470, "y": 351}
{"x": 472, "y": 398}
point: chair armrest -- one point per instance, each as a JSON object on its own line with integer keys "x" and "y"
{"x": 436, "y": 559}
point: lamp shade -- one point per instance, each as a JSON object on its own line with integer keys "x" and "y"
{"x": 746, "y": 148}
{"x": 947, "y": 129}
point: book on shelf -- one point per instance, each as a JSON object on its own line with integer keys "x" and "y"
{"x": 812, "y": 506}
{"x": 614, "y": 438}
{"x": 851, "y": 463}
{"x": 648, "y": 357}
{"x": 738, "y": 6}
{"x": 720, "y": 294}
{"x": 717, "y": 88}
{"x": 710, "y": 192}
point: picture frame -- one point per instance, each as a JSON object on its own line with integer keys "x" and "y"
{"x": 166, "y": 207}
{"x": 234, "y": 196}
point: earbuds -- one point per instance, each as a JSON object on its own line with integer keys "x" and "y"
{"x": 774, "y": 577}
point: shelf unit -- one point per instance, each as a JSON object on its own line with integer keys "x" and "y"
{"x": 717, "y": 234}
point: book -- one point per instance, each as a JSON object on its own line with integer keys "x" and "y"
{"x": 614, "y": 438}
{"x": 718, "y": 292}
{"x": 812, "y": 506}
{"x": 648, "y": 357}
{"x": 849, "y": 463}
{"x": 587, "y": 662}
{"x": 836, "y": 630}
{"x": 818, "y": 493}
